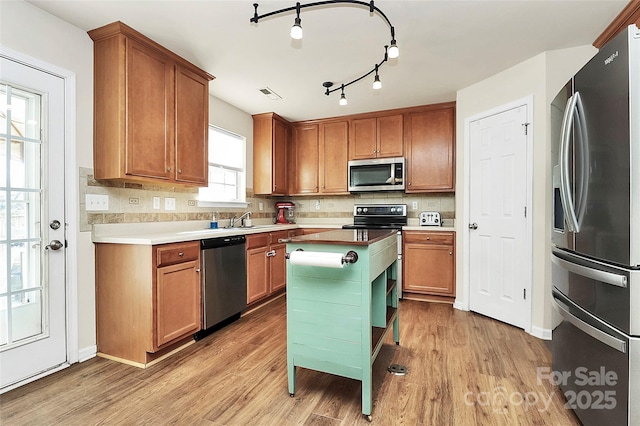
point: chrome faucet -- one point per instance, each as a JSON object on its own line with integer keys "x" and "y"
{"x": 241, "y": 219}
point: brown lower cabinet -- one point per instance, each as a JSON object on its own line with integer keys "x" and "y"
{"x": 147, "y": 299}
{"x": 266, "y": 264}
{"x": 429, "y": 263}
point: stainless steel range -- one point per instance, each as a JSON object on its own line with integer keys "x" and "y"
{"x": 382, "y": 216}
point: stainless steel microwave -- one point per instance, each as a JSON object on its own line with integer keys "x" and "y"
{"x": 378, "y": 174}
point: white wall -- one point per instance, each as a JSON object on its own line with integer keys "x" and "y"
{"x": 541, "y": 76}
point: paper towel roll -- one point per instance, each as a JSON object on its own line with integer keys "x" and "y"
{"x": 316, "y": 258}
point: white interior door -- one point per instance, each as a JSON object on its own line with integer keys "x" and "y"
{"x": 498, "y": 253}
{"x": 32, "y": 222}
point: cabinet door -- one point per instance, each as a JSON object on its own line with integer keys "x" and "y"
{"x": 430, "y": 151}
{"x": 428, "y": 269}
{"x": 277, "y": 267}
{"x": 334, "y": 157}
{"x": 389, "y": 136}
{"x": 150, "y": 108}
{"x": 192, "y": 118}
{"x": 279, "y": 165}
{"x": 362, "y": 139}
{"x": 177, "y": 304}
{"x": 257, "y": 274}
{"x": 304, "y": 161}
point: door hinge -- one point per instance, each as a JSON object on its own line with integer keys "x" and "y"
{"x": 526, "y": 128}
{"x": 524, "y": 291}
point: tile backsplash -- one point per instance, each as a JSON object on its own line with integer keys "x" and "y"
{"x": 133, "y": 203}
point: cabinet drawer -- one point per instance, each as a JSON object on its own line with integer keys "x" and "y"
{"x": 257, "y": 240}
{"x": 177, "y": 253}
{"x": 278, "y": 236}
{"x": 428, "y": 237}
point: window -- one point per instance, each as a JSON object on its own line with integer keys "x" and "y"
{"x": 227, "y": 183}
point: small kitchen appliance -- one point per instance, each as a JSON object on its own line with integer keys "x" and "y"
{"x": 284, "y": 212}
{"x": 430, "y": 219}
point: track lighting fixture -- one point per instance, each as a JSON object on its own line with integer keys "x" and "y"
{"x": 390, "y": 51}
{"x": 377, "y": 84}
{"x": 343, "y": 99}
{"x": 296, "y": 30}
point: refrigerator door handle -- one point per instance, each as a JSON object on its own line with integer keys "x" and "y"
{"x": 583, "y": 140}
{"x": 615, "y": 343}
{"x": 594, "y": 274}
{"x": 563, "y": 161}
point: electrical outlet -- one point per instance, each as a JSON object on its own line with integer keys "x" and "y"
{"x": 134, "y": 200}
{"x": 317, "y": 204}
{"x": 96, "y": 202}
{"x": 169, "y": 203}
{"x": 260, "y": 206}
{"x": 414, "y": 205}
{"x": 191, "y": 203}
{"x": 156, "y": 203}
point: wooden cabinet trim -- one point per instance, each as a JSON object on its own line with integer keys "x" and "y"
{"x": 115, "y": 28}
{"x": 629, "y": 15}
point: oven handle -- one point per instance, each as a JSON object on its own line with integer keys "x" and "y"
{"x": 594, "y": 274}
{"x": 613, "y": 342}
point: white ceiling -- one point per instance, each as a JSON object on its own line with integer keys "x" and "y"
{"x": 444, "y": 45}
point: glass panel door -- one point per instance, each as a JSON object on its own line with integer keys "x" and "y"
{"x": 32, "y": 223}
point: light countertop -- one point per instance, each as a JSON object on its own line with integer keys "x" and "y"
{"x": 180, "y": 231}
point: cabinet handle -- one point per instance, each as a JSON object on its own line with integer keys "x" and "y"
{"x": 409, "y": 183}
{"x": 198, "y": 270}
{"x": 181, "y": 254}
{"x": 271, "y": 253}
{"x": 283, "y": 240}
{"x": 428, "y": 238}
{"x": 168, "y": 169}
{"x": 179, "y": 170}
{"x": 450, "y": 252}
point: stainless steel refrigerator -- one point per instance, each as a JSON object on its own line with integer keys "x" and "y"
{"x": 596, "y": 235}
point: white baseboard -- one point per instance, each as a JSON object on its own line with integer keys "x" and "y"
{"x": 460, "y": 306}
{"x": 87, "y": 353}
{"x": 541, "y": 333}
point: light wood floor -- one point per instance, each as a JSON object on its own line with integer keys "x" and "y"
{"x": 464, "y": 369}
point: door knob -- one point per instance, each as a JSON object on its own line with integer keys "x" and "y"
{"x": 473, "y": 225}
{"x": 54, "y": 245}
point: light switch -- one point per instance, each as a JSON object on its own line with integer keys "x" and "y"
{"x": 169, "y": 203}
{"x": 156, "y": 203}
{"x": 96, "y": 202}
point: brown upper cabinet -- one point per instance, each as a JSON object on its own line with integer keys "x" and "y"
{"x": 318, "y": 153}
{"x": 151, "y": 111}
{"x": 270, "y": 140}
{"x": 334, "y": 141}
{"x": 429, "y": 139}
{"x": 304, "y": 150}
{"x": 376, "y": 137}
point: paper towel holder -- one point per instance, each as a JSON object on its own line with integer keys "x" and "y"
{"x": 350, "y": 257}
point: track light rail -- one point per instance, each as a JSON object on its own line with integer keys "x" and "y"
{"x": 390, "y": 51}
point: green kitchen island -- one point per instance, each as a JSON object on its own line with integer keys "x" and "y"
{"x": 338, "y": 312}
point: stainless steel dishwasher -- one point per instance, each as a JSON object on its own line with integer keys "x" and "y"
{"x": 224, "y": 282}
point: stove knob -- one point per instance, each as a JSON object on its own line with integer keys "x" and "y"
{"x": 359, "y": 210}
{"x": 365, "y": 209}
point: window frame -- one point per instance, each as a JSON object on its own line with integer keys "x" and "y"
{"x": 240, "y": 201}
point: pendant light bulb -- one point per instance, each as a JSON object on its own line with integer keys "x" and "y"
{"x": 377, "y": 84}
{"x": 343, "y": 99}
{"x": 394, "y": 52}
{"x": 296, "y": 30}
